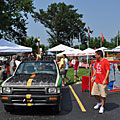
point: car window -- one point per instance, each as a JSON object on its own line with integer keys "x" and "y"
{"x": 37, "y": 67}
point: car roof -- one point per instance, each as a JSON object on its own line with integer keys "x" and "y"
{"x": 42, "y": 59}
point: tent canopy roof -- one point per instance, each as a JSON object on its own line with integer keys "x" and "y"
{"x": 116, "y": 49}
{"x": 101, "y": 48}
{"x": 10, "y": 47}
{"x": 70, "y": 52}
{"x": 88, "y": 51}
{"x": 60, "y": 47}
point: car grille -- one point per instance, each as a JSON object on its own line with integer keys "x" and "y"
{"x": 19, "y": 97}
{"x": 27, "y": 92}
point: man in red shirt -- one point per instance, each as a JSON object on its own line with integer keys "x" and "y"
{"x": 102, "y": 69}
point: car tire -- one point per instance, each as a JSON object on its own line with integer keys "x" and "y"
{"x": 9, "y": 108}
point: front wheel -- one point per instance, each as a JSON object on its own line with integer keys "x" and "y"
{"x": 9, "y": 108}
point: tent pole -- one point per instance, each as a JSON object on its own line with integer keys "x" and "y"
{"x": 87, "y": 58}
{"x": 56, "y": 55}
{"x": 89, "y": 79}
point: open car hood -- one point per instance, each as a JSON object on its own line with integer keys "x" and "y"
{"x": 37, "y": 80}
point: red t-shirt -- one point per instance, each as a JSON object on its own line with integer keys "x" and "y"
{"x": 76, "y": 65}
{"x": 101, "y": 70}
{"x": 8, "y": 70}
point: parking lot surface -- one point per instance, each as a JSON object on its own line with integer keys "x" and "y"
{"x": 71, "y": 110}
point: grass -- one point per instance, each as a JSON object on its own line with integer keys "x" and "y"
{"x": 81, "y": 72}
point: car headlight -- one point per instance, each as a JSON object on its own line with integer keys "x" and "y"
{"x": 6, "y": 90}
{"x": 52, "y": 90}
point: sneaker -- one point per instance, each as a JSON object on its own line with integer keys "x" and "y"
{"x": 101, "y": 110}
{"x": 97, "y": 106}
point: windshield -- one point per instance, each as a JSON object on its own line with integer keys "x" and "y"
{"x": 37, "y": 67}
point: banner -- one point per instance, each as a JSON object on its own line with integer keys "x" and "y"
{"x": 102, "y": 37}
{"x": 88, "y": 32}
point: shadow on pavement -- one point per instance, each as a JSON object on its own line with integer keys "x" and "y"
{"x": 66, "y": 106}
{"x": 111, "y": 106}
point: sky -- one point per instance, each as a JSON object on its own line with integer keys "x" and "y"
{"x": 100, "y": 15}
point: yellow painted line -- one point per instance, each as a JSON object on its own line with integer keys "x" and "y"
{"x": 78, "y": 100}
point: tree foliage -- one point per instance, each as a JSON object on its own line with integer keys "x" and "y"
{"x": 96, "y": 43}
{"x": 62, "y": 22}
{"x": 13, "y": 16}
{"x": 114, "y": 41}
{"x": 33, "y": 43}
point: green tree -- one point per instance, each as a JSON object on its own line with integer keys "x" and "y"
{"x": 62, "y": 22}
{"x": 33, "y": 43}
{"x": 81, "y": 46}
{"x": 114, "y": 41}
{"x": 96, "y": 43}
{"x": 13, "y": 16}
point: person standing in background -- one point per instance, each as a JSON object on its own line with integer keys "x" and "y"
{"x": 99, "y": 89}
{"x": 76, "y": 68}
{"x": 66, "y": 68}
{"x": 73, "y": 61}
{"x": 62, "y": 70}
{"x": 2, "y": 69}
{"x": 12, "y": 65}
{"x": 8, "y": 70}
{"x": 17, "y": 61}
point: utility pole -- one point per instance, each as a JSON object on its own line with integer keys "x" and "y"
{"x": 79, "y": 40}
{"x": 88, "y": 36}
{"x": 101, "y": 43}
{"x": 118, "y": 38}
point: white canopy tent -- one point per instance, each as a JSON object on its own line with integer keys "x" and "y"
{"x": 87, "y": 52}
{"x": 60, "y": 47}
{"x": 101, "y": 48}
{"x": 7, "y": 47}
{"x": 70, "y": 52}
{"x": 116, "y": 49}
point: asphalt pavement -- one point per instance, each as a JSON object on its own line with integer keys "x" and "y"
{"x": 71, "y": 108}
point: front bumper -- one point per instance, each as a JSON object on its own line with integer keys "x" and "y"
{"x": 34, "y": 100}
